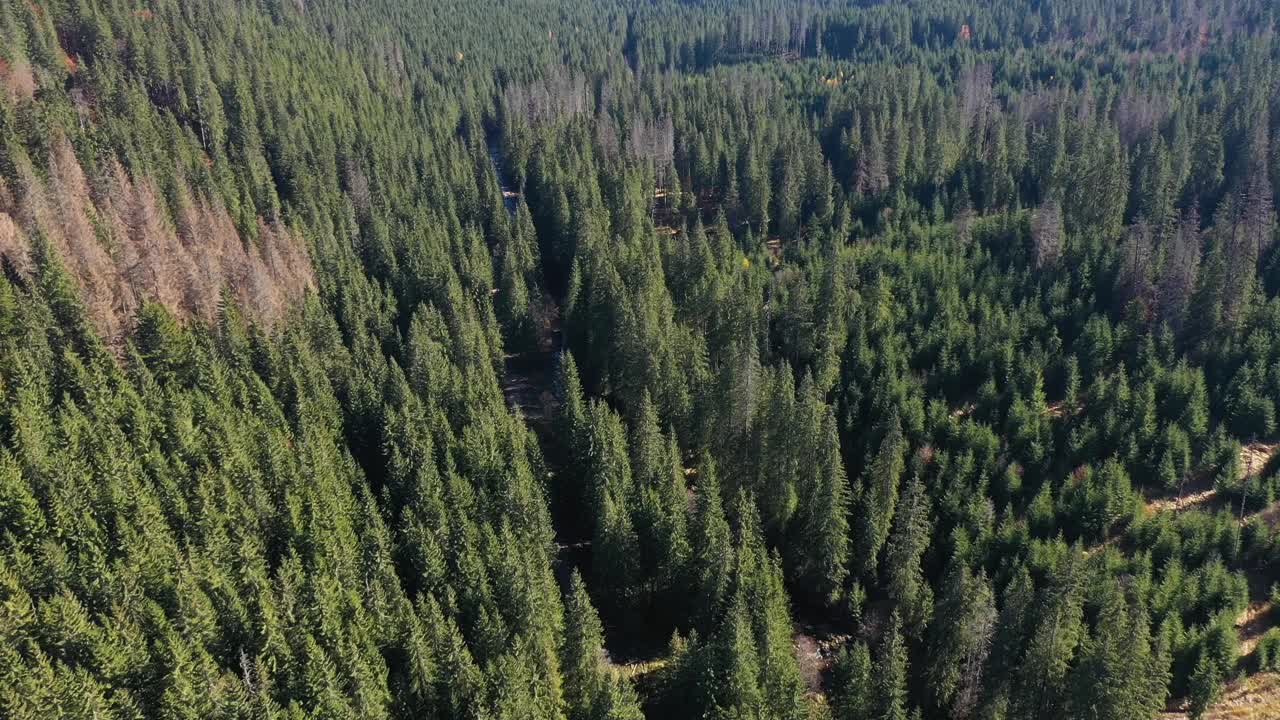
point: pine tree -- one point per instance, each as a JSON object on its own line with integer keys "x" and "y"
{"x": 780, "y": 672}
{"x": 661, "y": 516}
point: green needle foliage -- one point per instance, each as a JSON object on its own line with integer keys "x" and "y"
{"x": 609, "y": 359}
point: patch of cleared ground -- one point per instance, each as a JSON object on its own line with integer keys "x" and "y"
{"x": 1187, "y": 501}
{"x": 1255, "y": 456}
{"x": 1256, "y": 697}
{"x": 1252, "y": 623}
{"x": 1200, "y": 493}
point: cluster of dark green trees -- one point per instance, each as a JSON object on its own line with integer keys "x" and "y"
{"x": 897, "y": 324}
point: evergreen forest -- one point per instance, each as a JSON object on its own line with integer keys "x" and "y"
{"x": 625, "y": 359}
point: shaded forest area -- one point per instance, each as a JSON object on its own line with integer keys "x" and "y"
{"x": 581, "y": 360}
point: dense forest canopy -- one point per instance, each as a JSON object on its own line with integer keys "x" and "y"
{"x": 597, "y": 359}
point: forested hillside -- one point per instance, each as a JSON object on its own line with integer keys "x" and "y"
{"x": 610, "y": 359}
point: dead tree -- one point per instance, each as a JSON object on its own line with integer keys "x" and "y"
{"x": 1046, "y": 234}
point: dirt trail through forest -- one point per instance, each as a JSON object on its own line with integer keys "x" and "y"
{"x": 510, "y": 196}
{"x": 1257, "y": 617}
{"x": 528, "y": 378}
{"x": 1201, "y": 494}
{"x": 528, "y": 383}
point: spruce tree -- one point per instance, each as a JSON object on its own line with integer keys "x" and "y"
{"x": 891, "y": 678}
{"x": 905, "y": 581}
{"x": 878, "y": 496}
{"x": 711, "y": 542}
{"x": 960, "y": 639}
{"x": 821, "y": 535}
{"x": 591, "y": 691}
